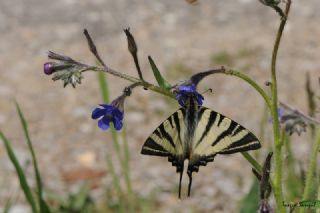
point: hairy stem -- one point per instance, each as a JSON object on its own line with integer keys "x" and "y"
{"x": 274, "y": 112}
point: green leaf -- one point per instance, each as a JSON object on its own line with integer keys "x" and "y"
{"x": 43, "y": 205}
{"x": 161, "y": 81}
{"x": 22, "y": 178}
{"x": 251, "y": 201}
{"x": 80, "y": 200}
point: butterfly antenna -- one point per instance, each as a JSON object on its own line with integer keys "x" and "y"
{"x": 190, "y": 182}
{"x": 208, "y": 90}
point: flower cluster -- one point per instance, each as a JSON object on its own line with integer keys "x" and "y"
{"x": 65, "y": 69}
{"x": 291, "y": 121}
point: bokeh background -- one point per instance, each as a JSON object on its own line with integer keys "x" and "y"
{"x": 182, "y": 39}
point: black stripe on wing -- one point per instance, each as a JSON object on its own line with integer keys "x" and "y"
{"x": 227, "y": 132}
{"x": 166, "y": 135}
{"x": 248, "y": 142}
{"x": 150, "y": 147}
{"x": 211, "y": 121}
{"x": 161, "y": 141}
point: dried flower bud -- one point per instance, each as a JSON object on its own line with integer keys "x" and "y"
{"x": 132, "y": 46}
{"x": 58, "y": 57}
{"x": 270, "y": 2}
{"x": 133, "y": 49}
{"x": 274, "y": 4}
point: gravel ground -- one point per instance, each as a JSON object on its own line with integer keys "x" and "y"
{"x": 174, "y": 33}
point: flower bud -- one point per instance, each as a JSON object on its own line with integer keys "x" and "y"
{"x": 49, "y": 68}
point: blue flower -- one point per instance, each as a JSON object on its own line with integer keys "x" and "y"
{"x": 185, "y": 91}
{"x": 107, "y": 114}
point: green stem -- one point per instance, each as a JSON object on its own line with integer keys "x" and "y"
{"x": 318, "y": 198}
{"x": 115, "y": 180}
{"x": 252, "y": 161}
{"x": 106, "y": 99}
{"x": 255, "y": 164}
{"x": 274, "y": 112}
{"x": 136, "y": 80}
{"x": 126, "y": 159}
{"x": 311, "y": 169}
{"x": 127, "y": 168}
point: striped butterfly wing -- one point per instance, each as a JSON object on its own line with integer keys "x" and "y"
{"x": 217, "y": 134}
{"x": 168, "y": 141}
{"x": 213, "y": 134}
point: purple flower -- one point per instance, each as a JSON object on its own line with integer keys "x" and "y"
{"x": 106, "y": 114}
{"x": 49, "y": 68}
{"x": 185, "y": 91}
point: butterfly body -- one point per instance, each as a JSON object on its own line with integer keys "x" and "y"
{"x": 197, "y": 134}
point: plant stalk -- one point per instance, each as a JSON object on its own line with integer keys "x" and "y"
{"x": 278, "y": 193}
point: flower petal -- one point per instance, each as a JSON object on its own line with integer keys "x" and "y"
{"x": 199, "y": 98}
{"x": 117, "y": 114}
{"x": 117, "y": 123}
{"x": 97, "y": 113}
{"x": 187, "y": 88}
{"x": 107, "y": 107}
{"x": 181, "y": 99}
{"x": 104, "y": 123}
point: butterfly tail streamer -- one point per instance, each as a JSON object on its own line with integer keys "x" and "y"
{"x": 181, "y": 173}
{"x": 190, "y": 182}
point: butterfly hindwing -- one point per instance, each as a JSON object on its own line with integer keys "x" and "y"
{"x": 217, "y": 134}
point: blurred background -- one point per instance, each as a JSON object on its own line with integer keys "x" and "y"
{"x": 182, "y": 39}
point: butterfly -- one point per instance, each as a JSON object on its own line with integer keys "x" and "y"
{"x": 197, "y": 134}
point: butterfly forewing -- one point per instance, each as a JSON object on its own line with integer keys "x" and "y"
{"x": 167, "y": 139}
